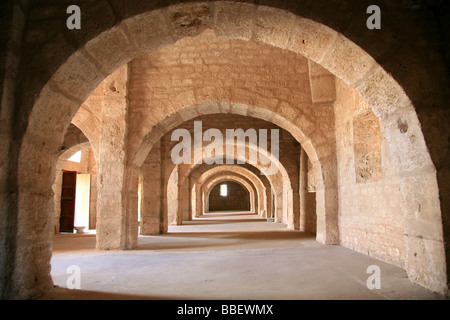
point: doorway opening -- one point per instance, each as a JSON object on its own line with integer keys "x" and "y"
{"x": 76, "y": 192}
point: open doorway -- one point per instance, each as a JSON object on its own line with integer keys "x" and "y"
{"x": 75, "y": 193}
{"x": 68, "y": 197}
{"x": 75, "y": 200}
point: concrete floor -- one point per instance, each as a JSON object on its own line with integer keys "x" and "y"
{"x": 225, "y": 256}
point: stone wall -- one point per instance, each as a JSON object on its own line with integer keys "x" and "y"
{"x": 208, "y": 69}
{"x": 370, "y": 215}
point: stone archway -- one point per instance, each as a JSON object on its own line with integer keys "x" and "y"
{"x": 211, "y": 182}
{"x": 84, "y": 69}
{"x": 200, "y": 175}
{"x": 280, "y": 182}
{"x": 210, "y": 201}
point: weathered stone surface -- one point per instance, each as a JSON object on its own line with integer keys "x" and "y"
{"x": 396, "y": 217}
{"x": 112, "y": 231}
{"x": 149, "y": 31}
{"x": 273, "y": 26}
{"x": 189, "y": 19}
{"x": 234, "y": 20}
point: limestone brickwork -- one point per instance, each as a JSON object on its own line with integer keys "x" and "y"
{"x": 365, "y": 113}
{"x": 370, "y": 215}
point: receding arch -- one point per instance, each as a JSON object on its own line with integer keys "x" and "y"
{"x": 200, "y": 175}
{"x": 240, "y": 184}
{"x": 326, "y": 202}
{"x": 84, "y": 69}
{"x": 280, "y": 182}
{"x": 213, "y": 179}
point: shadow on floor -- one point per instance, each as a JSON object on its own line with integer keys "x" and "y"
{"x": 246, "y": 235}
{"x": 216, "y": 240}
{"x": 195, "y": 235}
{"x": 224, "y": 218}
{"x": 218, "y": 221}
{"x": 256, "y": 261}
{"x": 59, "y": 293}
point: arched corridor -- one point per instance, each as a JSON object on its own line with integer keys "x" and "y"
{"x": 337, "y": 134}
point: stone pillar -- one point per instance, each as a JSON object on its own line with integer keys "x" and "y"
{"x": 295, "y": 200}
{"x": 112, "y": 227}
{"x": 93, "y": 202}
{"x": 192, "y": 199}
{"x": 166, "y": 167}
{"x": 152, "y": 195}
{"x": 198, "y": 199}
{"x": 183, "y": 196}
{"x": 268, "y": 202}
{"x": 327, "y": 204}
{"x": 171, "y": 196}
{"x": 303, "y": 186}
{"x": 205, "y": 202}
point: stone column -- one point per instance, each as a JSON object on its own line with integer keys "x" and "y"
{"x": 152, "y": 194}
{"x": 198, "y": 199}
{"x": 183, "y": 196}
{"x": 327, "y": 204}
{"x": 166, "y": 167}
{"x": 192, "y": 199}
{"x": 303, "y": 185}
{"x": 112, "y": 221}
{"x": 295, "y": 200}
